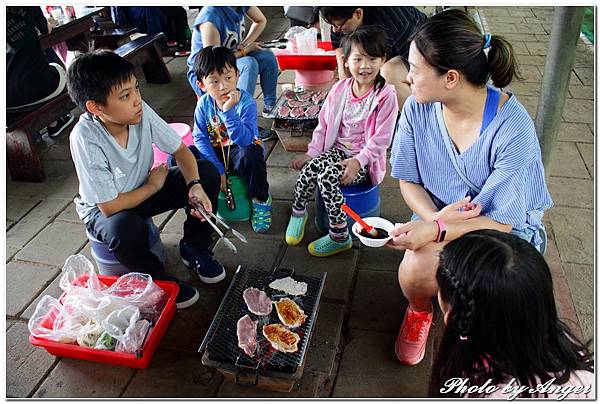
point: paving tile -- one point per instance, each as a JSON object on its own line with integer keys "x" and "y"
{"x": 282, "y": 182}
{"x": 535, "y": 60}
{"x": 572, "y": 192}
{"x": 525, "y": 28}
{"x": 59, "y": 168}
{"x": 519, "y": 48}
{"x": 393, "y": 206}
{"x": 587, "y": 152}
{"x": 340, "y": 270}
{"x": 280, "y": 215}
{"x": 10, "y": 252}
{"x": 582, "y": 92}
{"x": 17, "y": 207}
{"x": 66, "y": 188}
{"x": 280, "y": 158}
{"x": 379, "y": 259}
{"x": 379, "y": 311}
{"x": 69, "y": 214}
{"x": 311, "y": 384}
{"x": 54, "y": 244}
{"x": 567, "y": 162}
{"x": 161, "y": 220}
{"x": 37, "y": 190}
{"x": 574, "y": 230}
{"x": 73, "y": 378}
{"x": 575, "y": 132}
{"x": 579, "y": 111}
{"x": 26, "y": 364}
{"x": 286, "y": 76}
{"x": 256, "y": 254}
{"x": 180, "y": 374}
{"x": 53, "y": 289}
{"x": 326, "y": 339}
{"x": 10, "y": 323}
{"x": 581, "y": 283}
{"x": 587, "y": 327}
{"x": 495, "y": 11}
{"x": 520, "y": 37}
{"x": 522, "y": 88}
{"x": 26, "y": 281}
{"x": 369, "y": 368}
{"x": 536, "y": 48}
{"x": 30, "y": 225}
{"x": 586, "y": 75}
{"x": 520, "y": 12}
{"x": 530, "y": 103}
{"x": 175, "y": 223}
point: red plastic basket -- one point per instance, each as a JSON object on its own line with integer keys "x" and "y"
{"x": 307, "y": 62}
{"x": 116, "y": 358}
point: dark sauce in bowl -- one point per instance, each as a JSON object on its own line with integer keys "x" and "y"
{"x": 381, "y": 233}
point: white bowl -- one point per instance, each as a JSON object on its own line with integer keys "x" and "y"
{"x": 375, "y": 222}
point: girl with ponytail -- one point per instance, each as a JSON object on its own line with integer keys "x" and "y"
{"x": 495, "y": 292}
{"x": 466, "y": 155}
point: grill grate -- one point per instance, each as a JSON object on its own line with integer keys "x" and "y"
{"x": 221, "y": 340}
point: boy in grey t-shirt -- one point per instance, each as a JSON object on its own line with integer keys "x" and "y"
{"x": 111, "y": 146}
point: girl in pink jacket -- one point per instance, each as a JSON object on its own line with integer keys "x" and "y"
{"x": 349, "y": 145}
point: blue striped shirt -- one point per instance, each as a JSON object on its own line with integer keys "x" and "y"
{"x": 505, "y": 162}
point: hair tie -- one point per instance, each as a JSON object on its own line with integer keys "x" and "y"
{"x": 488, "y": 40}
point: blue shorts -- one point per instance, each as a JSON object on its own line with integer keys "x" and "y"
{"x": 527, "y": 234}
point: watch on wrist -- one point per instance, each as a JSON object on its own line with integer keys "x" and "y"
{"x": 441, "y": 230}
{"x": 194, "y": 182}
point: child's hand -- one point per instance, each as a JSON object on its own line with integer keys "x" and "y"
{"x": 352, "y": 167}
{"x": 157, "y": 176}
{"x": 298, "y": 162}
{"x": 232, "y": 99}
{"x": 198, "y": 196}
{"x": 224, "y": 183}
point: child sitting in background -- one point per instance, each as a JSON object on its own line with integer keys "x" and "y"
{"x": 226, "y": 131}
{"x": 495, "y": 291}
{"x": 111, "y": 147}
{"x": 349, "y": 144}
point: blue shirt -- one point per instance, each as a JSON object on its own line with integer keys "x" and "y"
{"x": 505, "y": 162}
{"x": 227, "y": 20}
{"x": 237, "y": 125}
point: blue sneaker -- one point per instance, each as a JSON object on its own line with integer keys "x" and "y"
{"x": 201, "y": 260}
{"x": 261, "y": 215}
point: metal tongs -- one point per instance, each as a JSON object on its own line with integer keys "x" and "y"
{"x": 275, "y": 43}
{"x": 224, "y": 239}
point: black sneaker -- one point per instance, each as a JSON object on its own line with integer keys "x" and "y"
{"x": 201, "y": 260}
{"x": 265, "y": 134}
{"x": 187, "y": 295}
{"x": 61, "y": 124}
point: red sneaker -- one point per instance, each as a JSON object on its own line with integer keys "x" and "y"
{"x": 412, "y": 337}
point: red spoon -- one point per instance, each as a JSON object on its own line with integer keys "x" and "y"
{"x": 368, "y": 228}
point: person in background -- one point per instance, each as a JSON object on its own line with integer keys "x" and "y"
{"x": 501, "y": 323}
{"x": 349, "y": 145}
{"x": 466, "y": 156}
{"x": 30, "y": 79}
{"x": 224, "y": 26}
{"x": 398, "y": 21}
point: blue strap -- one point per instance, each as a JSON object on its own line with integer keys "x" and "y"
{"x": 491, "y": 106}
{"x": 450, "y": 149}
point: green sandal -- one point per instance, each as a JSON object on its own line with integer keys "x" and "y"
{"x": 326, "y": 246}
{"x": 295, "y": 229}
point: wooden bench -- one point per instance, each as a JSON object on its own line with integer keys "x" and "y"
{"x": 112, "y": 38}
{"x": 146, "y": 52}
{"x": 24, "y": 164}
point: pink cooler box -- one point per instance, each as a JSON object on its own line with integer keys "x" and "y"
{"x": 185, "y": 133}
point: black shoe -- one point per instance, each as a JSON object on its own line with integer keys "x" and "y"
{"x": 61, "y": 124}
{"x": 201, "y": 260}
{"x": 265, "y": 134}
{"x": 187, "y": 295}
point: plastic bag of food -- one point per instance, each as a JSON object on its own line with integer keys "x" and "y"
{"x": 126, "y": 328}
{"x": 140, "y": 290}
{"x": 306, "y": 42}
{"x": 290, "y": 35}
{"x": 78, "y": 272}
{"x": 90, "y": 338}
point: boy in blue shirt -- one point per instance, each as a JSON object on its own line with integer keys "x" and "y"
{"x": 111, "y": 146}
{"x": 226, "y": 131}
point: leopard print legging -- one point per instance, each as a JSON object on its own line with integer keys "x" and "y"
{"x": 325, "y": 171}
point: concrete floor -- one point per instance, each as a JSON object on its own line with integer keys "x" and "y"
{"x": 351, "y": 353}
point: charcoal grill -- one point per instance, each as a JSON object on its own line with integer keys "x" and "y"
{"x": 296, "y": 126}
{"x": 269, "y": 368}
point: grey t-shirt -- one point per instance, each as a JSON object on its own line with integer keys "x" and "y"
{"x": 106, "y": 169}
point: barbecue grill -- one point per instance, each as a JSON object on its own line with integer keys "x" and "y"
{"x": 269, "y": 368}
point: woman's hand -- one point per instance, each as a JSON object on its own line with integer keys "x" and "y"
{"x": 459, "y": 210}
{"x": 197, "y": 196}
{"x": 158, "y": 176}
{"x": 412, "y": 235}
{"x": 298, "y": 162}
{"x": 253, "y": 47}
{"x": 351, "y": 169}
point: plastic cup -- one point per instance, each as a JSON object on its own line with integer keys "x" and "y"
{"x": 377, "y": 222}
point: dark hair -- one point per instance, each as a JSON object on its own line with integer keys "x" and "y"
{"x": 214, "y": 59}
{"x": 342, "y": 12}
{"x": 452, "y": 40}
{"x": 93, "y": 75}
{"x": 374, "y": 40}
{"x": 503, "y": 320}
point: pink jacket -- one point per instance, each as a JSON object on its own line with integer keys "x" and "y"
{"x": 379, "y": 127}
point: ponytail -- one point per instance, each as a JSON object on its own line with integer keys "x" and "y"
{"x": 501, "y": 61}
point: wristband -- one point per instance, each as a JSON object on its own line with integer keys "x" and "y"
{"x": 441, "y": 230}
{"x": 194, "y": 182}
{"x": 242, "y": 52}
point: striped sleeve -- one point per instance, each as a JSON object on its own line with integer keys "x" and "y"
{"x": 403, "y": 157}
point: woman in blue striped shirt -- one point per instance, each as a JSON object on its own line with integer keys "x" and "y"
{"x": 467, "y": 158}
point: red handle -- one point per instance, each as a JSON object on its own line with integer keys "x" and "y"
{"x": 355, "y": 216}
